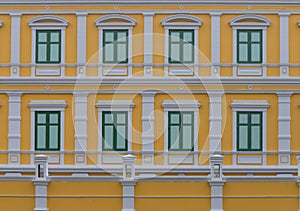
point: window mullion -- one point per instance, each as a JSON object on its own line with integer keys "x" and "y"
{"x": 181, "y": 131}
{"x": 115, "y": 47}
{"x": 47, "y": 130}
{"x": 249, "y": 130}
{"x": 181, "y": 47}
{"x": 115, "y": 131}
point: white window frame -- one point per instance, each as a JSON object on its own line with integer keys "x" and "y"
{"x": 47, "y": 105}
{"x": 103, "y": 23}
{"x": 181, "y": 106}
{"x": 249, "y": 106}
{"x": 115, "y": 106}
{"x": 51, "y": 23}
{"x": 260, "y": 23}
{"x": 192, "y": 23}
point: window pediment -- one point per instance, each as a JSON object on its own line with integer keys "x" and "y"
{"x": 115, "y": 20}
{"x": 250, "y": 20}
{"x": 182, "y": 20}
{"x": 47, "y": 21}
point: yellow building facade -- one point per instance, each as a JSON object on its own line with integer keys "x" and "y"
{"x": 149, "y": 105}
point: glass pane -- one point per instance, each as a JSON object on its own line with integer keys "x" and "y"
{"x": 122, "y": 52}
{"x": 243, "y": 137}
{"x": 108, "y": 118}
{"x": 188, "y": 36}
{"x": 243, "y": 37}
{"x": 42, "y": 37}
{"x": 175, "y": 36}
{"x": 41, "y": 137}
{"x": 255, "y": 52}
{"x": 53, "y": 118}
{"x": 188, "y": 52}
{"x": 187, "y": 137}
{"x": 108, "y": 137}
{"x": 121, "y": 118}
{"x": 53, "y": 139}
{"x": 174, "y": 119}
{"x": 122, "y": 36}
{"x": 175, "y": 52}
{"x": 174, "y": 137}
{"x": 243, "y": 52}
{"x": 54, "y": 37}
{"x": 42, "y": 52}
{"x": 109, "y": 52}
{"x": 121, "y": 137}
{"x": 108, "y": 37}
{"x": 255, "y": 118}
{"x": 255, "y": 137}
{"x": 41, "y": 119}
{"x": 255, "y": 37}
{"x": 243, "y": 118}
{"x": 54, "y": 52}
{"x": 187, "y": 118}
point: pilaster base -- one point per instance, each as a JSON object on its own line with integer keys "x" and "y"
{"x": 128, "y": 209}
{"x": 41, "y": 209}
{"x": 221, "y": 210}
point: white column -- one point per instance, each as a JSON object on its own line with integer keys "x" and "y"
{"x": 216, "y": 183}
{"x": 81, "y": 43}
{"x": 215, "y": 43}
{"x": 148, "y": 43}
{"x": 128, "y": 182}
{"x": 215, "y": 121}
{"x": 15, "y": 44}
{"x": 298, "y": 181}
{"x": 148, "y": 127}
{"x": 41, "y": 183}
{"x": 284, "y": 43}
{"x": 284, "y": 130}
{"x": 80, "y": 121}
{"x": 14, "y": 126}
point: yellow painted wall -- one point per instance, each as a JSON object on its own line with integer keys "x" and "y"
{"x": 19, "y": 196}
{"x": 260, "y": 189}
{"x": 156, "y": 189}
{"x": 88, "y": 196}
{"x": 3, "y": 127}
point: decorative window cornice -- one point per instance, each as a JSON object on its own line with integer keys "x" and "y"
{"x": 115, "y": 20}
{"x": 47, "y": 104}
{"x": 115, "y": 104}
{"x": 250, "y": 104}
{"x": 250, "y": 20}
{"x": 182, "y": 20}
{"x": 48, "y": 21}
{"x": 178, "y": 104}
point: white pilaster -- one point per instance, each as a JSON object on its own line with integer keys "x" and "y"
{"x": 15, "y": 44}
{"x": 216, "y": 182}
{"x": 148, "y": 43}
{"x": 80, "y": 122}
{"x": 81, "y": 43}
{"x": 215, "y": 121}
{"x": 148, "y": 127}
{"x": 215, "y": 43}
{"x": 14, "y": 126}
{"x": 284, "y": 43}
{"x": 41, "y": 183}
{"x": 284, "y": 121}
{"x": 128, "y": 182}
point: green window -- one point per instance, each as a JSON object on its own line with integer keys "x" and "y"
{"x": 115, "y": 46}
{"x": 48, "y": 46}
{"x": 249, "y": 131}
{"x": 114, "y": 130}
{"x": 249, "y": 46}
{"x": 181, "y": 131}
{"x": 181, "y": 46}
{"x": 47, "y": 130}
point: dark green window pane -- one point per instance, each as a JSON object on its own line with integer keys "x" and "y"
{"x": 255, "y": 118}
{"x": 187, "y": 137}
{"x": 243, "y": 52}
{"x": 109, "y": 52}
{"x": 41, "y": 137}
{"x": 174, "y": 118}
{"x": 108, "y": 133}
{"x": 249, "y": 46}
{"x": 54, "y": 52}
{"x": 41, "y": 118}
{"x": 174, "y": 137}
{"x": 255, "y": 37}
{"x": 188, "y": 52}
{"x": 42, "y": 52}
{"x": 243, "y": 118}
{"x": 187, "y": 118}
{"x": 255, "y": 137}
{"x": 42, "y": 37}
{"x": 187, "y": 36}
{"x": 175, "y": 52}
{"x": 122, "y": 51}
{"x": 53, "y": 118}
{"x": 255, "y": 55}
{"x": 54, "y": 37}
{"x": 109, "y": 36}
{"x": 53, "y": 143}
{"x": 114, "y": 126}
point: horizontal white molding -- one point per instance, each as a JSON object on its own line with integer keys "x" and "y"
{"x": 115, "y": 71}
{"x": 125, "y": 104}
{"x": 249, "y": 104}
{"x": 243, "y": 159}
{"x": 47, "y": 104}
{"x": 243, "y": 71}
{"x": 181, "y": 104}
{"x": 47, "y": 72}
{"x": 181, "y": 159}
